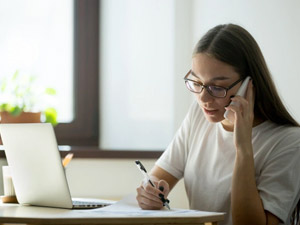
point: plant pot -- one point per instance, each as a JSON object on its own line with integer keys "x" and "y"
{"x": 24, "y": 117}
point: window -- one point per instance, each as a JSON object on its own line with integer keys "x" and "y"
{"x": 143, "y": 97}
{"x": 37, "y": 39}
{"x": 59, "y": 40}
{"x": 143, "y": 56}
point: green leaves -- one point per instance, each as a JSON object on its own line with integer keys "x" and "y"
{"x": 21, "y": 92}
{"x": 13, "y": 110}
{"x": 51, "y": 115}
{"x": 50, "y": 91}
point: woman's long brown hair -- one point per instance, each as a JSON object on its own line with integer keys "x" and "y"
{"x": 235, "y": 46}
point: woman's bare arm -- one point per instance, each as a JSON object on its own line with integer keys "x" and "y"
{"x": 160, "y": 174}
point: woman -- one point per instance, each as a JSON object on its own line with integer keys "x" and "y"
{"x": 248, "y": 166}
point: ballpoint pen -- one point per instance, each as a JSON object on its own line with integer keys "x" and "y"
{"x": 144, "y": 172}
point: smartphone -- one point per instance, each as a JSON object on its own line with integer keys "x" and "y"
{"x": 241, "y": 92}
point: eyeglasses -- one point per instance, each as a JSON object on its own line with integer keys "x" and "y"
{"x": 215, "y": 91}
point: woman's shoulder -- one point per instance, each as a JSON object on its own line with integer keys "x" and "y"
{"x": 271, "y": 127}
{"x": 284, "y": 135}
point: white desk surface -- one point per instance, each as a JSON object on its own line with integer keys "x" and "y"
{"x": 115, "y": 214}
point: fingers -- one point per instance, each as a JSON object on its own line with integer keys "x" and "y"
{"x": 243, "y": 106}
{"x": 164, "y": 187}
{"x": 250, "y": 95}
{"x": 153, "y": 191}
{"x": 148, "y": 197}
{"x": 236, "y": 107}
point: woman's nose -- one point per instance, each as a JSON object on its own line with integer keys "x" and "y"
{"x": 204, "y": 96}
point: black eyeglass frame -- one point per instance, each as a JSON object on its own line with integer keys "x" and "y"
{"x": 206, "y": 86}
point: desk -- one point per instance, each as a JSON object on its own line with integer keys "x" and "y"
{"x": 14, "y": 213}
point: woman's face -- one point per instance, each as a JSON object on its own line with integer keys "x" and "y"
{"x": 209, "y": 71}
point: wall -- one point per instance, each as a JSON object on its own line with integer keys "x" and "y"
{"x": 109, "y": 179}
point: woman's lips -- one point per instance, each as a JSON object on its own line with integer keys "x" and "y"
{"x": 210, "y": 111}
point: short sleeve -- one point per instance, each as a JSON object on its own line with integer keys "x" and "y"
{"x": 174, "y": 157}
{"x": 279, "y": 181}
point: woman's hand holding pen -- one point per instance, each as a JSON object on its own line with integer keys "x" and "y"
{"x": 149, "y": 197}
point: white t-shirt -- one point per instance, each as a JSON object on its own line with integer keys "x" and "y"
{"x": 203, "y": 153}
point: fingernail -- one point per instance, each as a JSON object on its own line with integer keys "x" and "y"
{"x": 161, "y": 188}
{"x": 162, "y": 197}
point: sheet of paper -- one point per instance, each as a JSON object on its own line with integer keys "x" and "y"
{"x": 128, "y": 207}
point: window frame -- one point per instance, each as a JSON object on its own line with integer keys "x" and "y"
{"x": 82, "y": 134}
{"x": 84, "y": 129}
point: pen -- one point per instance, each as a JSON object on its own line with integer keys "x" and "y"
{"x": 67, "y": 159}
{"x": 144, "y": 172}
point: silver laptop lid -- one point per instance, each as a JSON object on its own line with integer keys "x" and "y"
{"x": 35, "y": 163}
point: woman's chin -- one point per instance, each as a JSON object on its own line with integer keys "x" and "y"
{"x": 214, "y": 119}
{"x": 214, "y": 116}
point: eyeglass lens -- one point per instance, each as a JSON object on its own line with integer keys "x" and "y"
{"x": 213, "y": 90}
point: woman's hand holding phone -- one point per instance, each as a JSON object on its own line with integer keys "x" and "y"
{"x": 241, "y": 92}
{"x": 241, "y": 114}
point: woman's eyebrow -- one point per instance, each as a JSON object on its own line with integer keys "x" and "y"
{"x": 194, "y": 74}
{"x": 220, "y": 78}
{"x": 213, "y": 79}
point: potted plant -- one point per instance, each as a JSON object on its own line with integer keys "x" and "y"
{"x": 22, "y": 100}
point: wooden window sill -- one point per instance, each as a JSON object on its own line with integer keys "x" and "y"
{"x": 95, "y": 152}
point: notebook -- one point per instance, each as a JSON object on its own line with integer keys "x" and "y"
{"x": 36, "y": 167}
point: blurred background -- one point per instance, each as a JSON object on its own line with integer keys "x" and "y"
{"x": 118, "y": 65}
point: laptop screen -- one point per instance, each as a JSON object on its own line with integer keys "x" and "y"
{"x": 35, "y": 163}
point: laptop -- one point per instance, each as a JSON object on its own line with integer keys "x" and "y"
{"x": 36, "y": 167}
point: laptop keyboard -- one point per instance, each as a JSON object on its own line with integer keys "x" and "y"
{"x": 90, "y": 203}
